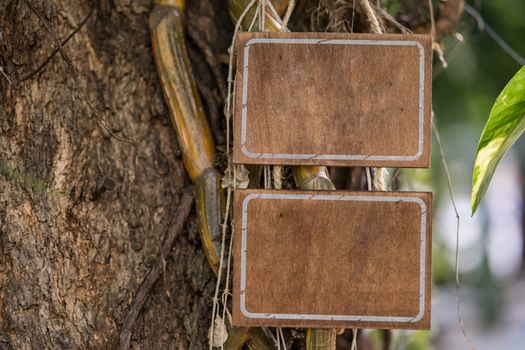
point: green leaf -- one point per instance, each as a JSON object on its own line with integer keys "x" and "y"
{"x": 505, "y": 125}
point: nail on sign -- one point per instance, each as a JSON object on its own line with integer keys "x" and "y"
{"x": 332, "y": 259}
{"x": 333, "y": 99}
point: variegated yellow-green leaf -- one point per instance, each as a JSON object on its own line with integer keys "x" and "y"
{"x": 505, "y": 125}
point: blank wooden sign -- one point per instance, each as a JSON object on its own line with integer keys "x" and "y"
{"x": 333, "y": 99}
{"x": 332, "y": 259}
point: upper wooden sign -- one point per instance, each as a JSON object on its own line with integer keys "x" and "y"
{"x": 332, "y": 259}
{"x": 333, "y": 99}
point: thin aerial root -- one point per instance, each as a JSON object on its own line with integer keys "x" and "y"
{"x": 453, "y": 198}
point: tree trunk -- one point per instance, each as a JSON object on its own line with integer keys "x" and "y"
{"x": 83, "y": 212}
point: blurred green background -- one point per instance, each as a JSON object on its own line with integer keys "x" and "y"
{"x": 491, "y": 242}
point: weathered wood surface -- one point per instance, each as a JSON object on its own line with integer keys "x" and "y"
{"x": 333, "y": 99}
{"x": 332, "y": 259}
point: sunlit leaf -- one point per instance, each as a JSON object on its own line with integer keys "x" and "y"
{"x": 505, "y": 125}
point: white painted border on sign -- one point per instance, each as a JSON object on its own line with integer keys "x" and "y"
{"x": 244, "y": 114}
{"x": 371, "y": 198}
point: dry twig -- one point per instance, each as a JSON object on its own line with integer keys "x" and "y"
{"x": 183, "y": 212}
{"x": 76, "y": 76}
{"x": 483, "y": 26}
{"x": 209, "y": 56}
{"x": 64, "y": 42}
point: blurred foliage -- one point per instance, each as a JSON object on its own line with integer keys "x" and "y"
{"x": 441, "y": 271}
{"x": 478, "y": 68}
{"x": 420, "y": 340}
{"x": 463, "y": 95}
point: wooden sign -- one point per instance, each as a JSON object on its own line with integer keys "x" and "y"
{"x": 333, "y": 99}
{"x": 332, "y": 259}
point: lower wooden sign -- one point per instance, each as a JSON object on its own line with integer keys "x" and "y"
{"x": 332, "y": 259}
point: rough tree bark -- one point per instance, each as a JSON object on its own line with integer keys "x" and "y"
{"x": 74, "y": 249}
